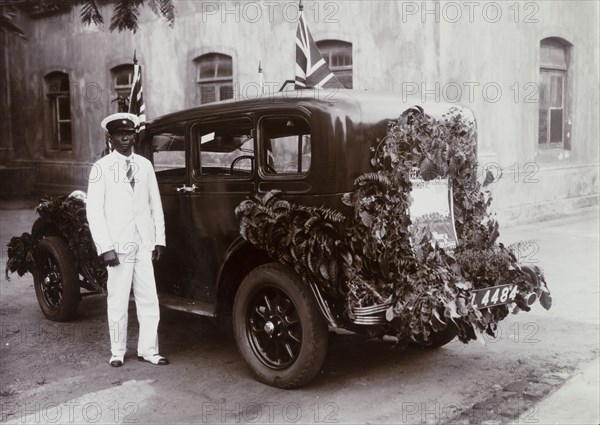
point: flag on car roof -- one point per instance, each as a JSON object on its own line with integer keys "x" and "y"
{"x": 311, "y": 69}
{"x": 136, "y": 98}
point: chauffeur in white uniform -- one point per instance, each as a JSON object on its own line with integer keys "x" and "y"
{"x": 126, "y": 220}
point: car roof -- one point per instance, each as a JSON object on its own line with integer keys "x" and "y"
{"x": 361, "y": 105}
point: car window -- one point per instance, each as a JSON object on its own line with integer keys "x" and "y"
{"x": 226, "y": 148}
{"x": 169, "y": 153}
{"x": 286, "y": 143}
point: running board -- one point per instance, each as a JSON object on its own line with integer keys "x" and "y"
{"x": 175, "y": 302}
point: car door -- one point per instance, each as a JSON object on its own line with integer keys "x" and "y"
{"x": 224, "y": 169}
{"x": 169, "y": 153}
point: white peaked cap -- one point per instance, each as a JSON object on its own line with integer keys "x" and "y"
{"x": 120, "y": 116}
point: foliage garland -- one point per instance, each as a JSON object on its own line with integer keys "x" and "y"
{"x": 65, "y": 217}
{"x": 367, "y": 257}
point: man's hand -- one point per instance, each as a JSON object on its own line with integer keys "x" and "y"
{"x": 110, "y": 258}
{"x": 158, "y": 252}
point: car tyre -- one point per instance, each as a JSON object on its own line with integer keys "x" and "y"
{"x": 55, "y": 279}
{"x": 278, "y": 328}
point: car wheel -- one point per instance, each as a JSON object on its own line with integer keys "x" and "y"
{"x": 278, "y": 327}
{"x": 56, "y": 280}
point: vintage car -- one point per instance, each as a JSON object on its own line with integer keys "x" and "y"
{"x": 271, "y": 217}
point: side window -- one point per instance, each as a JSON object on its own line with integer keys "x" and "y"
{"x": 286, "y": 146}
{"x": 225, "y": 148}
{"x": 169, "y": 154}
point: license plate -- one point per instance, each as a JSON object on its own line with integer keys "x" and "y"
{"x": 494, "y": 295}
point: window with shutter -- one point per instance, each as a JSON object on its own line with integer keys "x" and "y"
{"x": 553, "y": 94}
{"x": 214, "y": 77}
{"x": 338, "y": 55}
{"x": 59, "y": 100}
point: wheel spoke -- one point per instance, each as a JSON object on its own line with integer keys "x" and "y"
{"x": 268, "y": 303}
{"x": 287, "y": 303}
{"x": 277, "y": 358}
{"x": 293, "y": 337}
{"x": 258, "y": 310}
{"x": 51, "y": 284}
{"x": 274, "y": 328}
{"x": 291, "y": 320}
{"x": 288, "y": 348}
{"x": 255, "y": 326}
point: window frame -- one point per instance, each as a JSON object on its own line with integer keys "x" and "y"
{"x": 549, "y": 69}
{"x": 196, "y": 151}
{"x": 122, "y": 89}
{"x": 54, "y": 93}
{"x": 327, "y": 48}
{"x": 217, "y": 82}
{"x": 148, "y": 141}
{"x": 261, "y": 148}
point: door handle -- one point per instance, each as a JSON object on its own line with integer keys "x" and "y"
{"x": 186, "y": 189}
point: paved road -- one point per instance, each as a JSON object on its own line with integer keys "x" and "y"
{"x": 538, "y": 370}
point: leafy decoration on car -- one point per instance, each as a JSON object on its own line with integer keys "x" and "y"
{"x": 20, "y": 254}
{"x": 62, "y": 216}
{"x": 308, "y": 239}
{"x": 364, "y": 255}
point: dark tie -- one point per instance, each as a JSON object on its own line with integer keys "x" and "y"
{"x": 130, "y": 173}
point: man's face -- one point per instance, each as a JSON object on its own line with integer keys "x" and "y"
{"x": 122, "y": 141}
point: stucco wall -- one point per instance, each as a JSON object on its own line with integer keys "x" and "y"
{"x": 484, "y": 55}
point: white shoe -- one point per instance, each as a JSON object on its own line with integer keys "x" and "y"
{"x": 116, "y": 361}
{"x": 155, "y": 359}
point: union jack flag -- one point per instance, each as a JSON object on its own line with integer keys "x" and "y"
{"x": 311, "y": 69}
{"x": 136, "y": 98}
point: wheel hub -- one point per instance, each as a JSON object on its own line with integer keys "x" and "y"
{"x": 269, "y": 328}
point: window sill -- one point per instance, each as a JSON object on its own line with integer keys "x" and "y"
{"x": 553, "y": 155}
{"x": 54, "y": 154}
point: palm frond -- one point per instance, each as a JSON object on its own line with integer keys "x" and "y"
{"x": 125, "y": 15}
{"x": 90, "y": 13}
{"x": 7, "y": 14}
{"x": 165, "y": 9}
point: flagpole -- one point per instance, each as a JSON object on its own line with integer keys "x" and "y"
{"x": 134, "y": 58}
{"x": 312, "y": 71}
{"x": 261, "y": 79}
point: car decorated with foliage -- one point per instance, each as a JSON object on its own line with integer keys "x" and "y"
{"x": 307, "y": 210}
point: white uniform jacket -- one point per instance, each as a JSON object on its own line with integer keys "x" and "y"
{"x": 115, "y": 210}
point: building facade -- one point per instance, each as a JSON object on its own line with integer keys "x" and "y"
{"x": 528, "y": 70}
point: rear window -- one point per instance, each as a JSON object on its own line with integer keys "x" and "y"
{"x": 287, "y": 146}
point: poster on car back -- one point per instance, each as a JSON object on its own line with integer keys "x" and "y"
{"x": 432, "y": 209}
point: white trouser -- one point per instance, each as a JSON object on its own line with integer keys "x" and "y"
{"x": 135, "y": 268}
